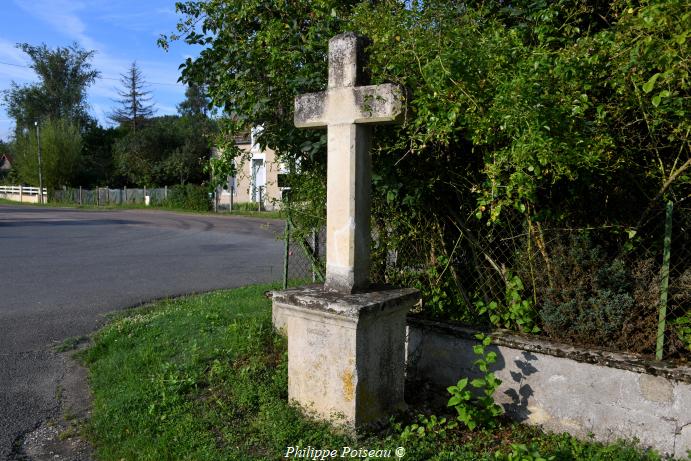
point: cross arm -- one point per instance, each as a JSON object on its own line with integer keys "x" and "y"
{"x": 378, "y": 103}
{"x": 360, "y": 104}
{"x": 310, "y": 110}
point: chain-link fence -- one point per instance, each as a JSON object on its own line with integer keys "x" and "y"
{"x": 103, "y": 196}
{"x": 609, "y": 287}
{"x": 304, "y": 255}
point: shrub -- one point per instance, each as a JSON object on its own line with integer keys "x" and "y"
{"x": 591, "y": 297}
{"x": 189, "y": 197}
{"x": 61, "y": 145}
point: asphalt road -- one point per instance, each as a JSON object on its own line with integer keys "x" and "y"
{"x": 62, "y": 269}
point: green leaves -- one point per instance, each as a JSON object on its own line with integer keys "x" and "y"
{"x": 482, "y": 411}
{"x": 515, "y": 312}
{"x": 650, "y": 84}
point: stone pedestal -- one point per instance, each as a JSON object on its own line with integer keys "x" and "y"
{"x": 346, "y": 352}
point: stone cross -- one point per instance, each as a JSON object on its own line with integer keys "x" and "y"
{"x": 346, "y": 108}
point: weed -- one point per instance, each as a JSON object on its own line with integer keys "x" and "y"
{"x": 71, "y": 343}
{"x": 477, "y": 411}
{"x": 515, "y": 313}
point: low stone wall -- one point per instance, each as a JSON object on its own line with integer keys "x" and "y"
{"x": 564, "y": 388}
{"x": 23, "y": 198}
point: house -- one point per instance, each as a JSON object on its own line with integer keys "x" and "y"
{"x": 5, "y": 164}
{"x": 257, "y": 180}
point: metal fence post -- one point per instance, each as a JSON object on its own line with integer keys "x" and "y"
{"x": 664, "y": 283}
{"x": 80, "y": 195}
{"x": 232, "y": 192}
{"x": 315, "y": 248}
{"x": 286, "y": 255}
{"x": 98, "y": 196}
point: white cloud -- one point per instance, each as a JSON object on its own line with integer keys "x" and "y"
{"x": 14, "y": 58}
{"x": 62, "y": 16}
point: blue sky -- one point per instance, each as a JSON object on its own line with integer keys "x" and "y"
{"x": 120, "y": 31}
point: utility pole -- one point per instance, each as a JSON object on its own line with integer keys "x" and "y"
{"x": 40, "y": 173}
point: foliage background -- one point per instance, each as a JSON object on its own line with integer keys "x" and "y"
{"x": 540, "y": 143}
{"x": 61, "y": 144}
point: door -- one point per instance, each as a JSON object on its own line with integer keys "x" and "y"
{"x": 258, "y": 179}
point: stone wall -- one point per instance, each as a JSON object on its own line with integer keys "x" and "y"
{"x": 22, "y": 198}
{"x": 563, "y": 388}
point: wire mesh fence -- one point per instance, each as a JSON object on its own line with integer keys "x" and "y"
{"x": 610, "y": 287}
{"x": 304, "y": 255}
{"x": 103, "y": 196}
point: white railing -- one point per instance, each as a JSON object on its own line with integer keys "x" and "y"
{"x": 23, "y": 194}
{"x": 21, "y": 190}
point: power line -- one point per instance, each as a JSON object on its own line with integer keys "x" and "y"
{"x": 104, "y": 78}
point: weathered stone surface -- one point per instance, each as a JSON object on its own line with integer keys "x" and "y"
{"x": 364, "y": 104}
{"x": 346, "y": 345}
{"x": 347, "y": 60}
{"x": 566, "y": 388}
{"x": 346, "y": 352}
{"x": 353, "y": 305}
{"x": 345, "y": 109}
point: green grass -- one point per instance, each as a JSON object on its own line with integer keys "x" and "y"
{"x": 257, "y": 214}
{"x": 250, "y": 213}
{"x": 12, "y": 202}
{"x": 71, "y": 343}
{"x": 205, "y": 378}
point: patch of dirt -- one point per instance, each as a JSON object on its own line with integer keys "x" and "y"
{"x": 59, "y": 438}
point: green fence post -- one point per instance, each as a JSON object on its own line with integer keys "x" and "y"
{"x": 664, "y": 283}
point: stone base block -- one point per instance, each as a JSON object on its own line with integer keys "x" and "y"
{"x": 346, "y": 352}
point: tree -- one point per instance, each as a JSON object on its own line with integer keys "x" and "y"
{"x": 61, "y": 145}
{"x": 97, "y": 166}
{"x": 522, "y": 117}
{"x": 64, "y": 75}
{"x": 196, "y": 103}
{"x": 168, "y": 150}
{"x": 286, "y": 42}
{"x": 134, "y": 100}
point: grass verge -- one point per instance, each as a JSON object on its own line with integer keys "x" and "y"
{"x": 250, "y": 213}
{"x": 205, "y": 378}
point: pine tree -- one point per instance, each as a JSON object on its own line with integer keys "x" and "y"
{"x": 134, "y": 100}
{"x": 196, "y": 103}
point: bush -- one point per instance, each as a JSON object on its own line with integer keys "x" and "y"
{"x": 245, "y": 206}
{"x": 61, "y": 145}
{"x": 188, "y": 197}
{"x": 590, "y": 299}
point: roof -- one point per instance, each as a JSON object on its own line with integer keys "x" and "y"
{"x": 5, "y": 161}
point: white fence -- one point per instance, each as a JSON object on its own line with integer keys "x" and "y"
{"x": 22, "y": 194}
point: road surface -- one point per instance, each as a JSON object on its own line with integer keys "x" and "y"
{"x": 62, "y": 269}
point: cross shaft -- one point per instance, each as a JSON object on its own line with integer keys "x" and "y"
{"x": 345, "y": 110}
